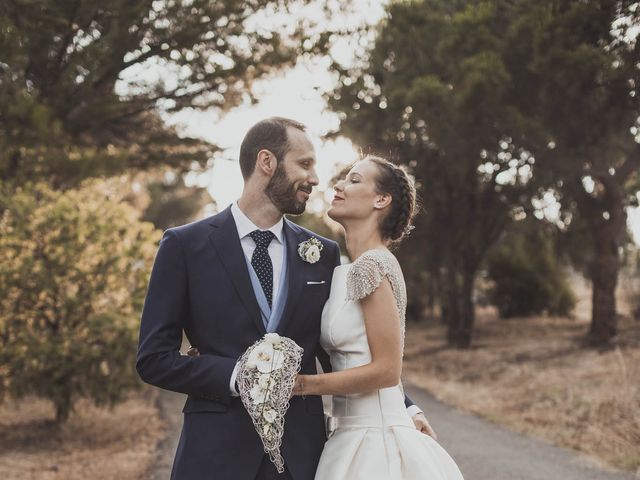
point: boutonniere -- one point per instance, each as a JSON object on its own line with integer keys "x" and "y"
{"x": 309, "y": 250}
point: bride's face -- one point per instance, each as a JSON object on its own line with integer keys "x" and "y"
{"x": 355, "y": 195}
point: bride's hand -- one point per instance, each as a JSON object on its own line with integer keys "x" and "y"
{"x": 422, "y": 424}
{"x": 298, "y": 387}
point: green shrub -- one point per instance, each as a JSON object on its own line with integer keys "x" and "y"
{"x": 73, "y": 272}
{"x": 527, "y": 277}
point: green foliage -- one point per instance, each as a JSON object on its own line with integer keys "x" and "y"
{"x": 527, "y": 277}
{"x": 82, "y": 83}
{"x": 172, "y": 203}
{"x": 73, "y": 275}
{"x": 495, "y": 102}
{"x": 433, "y": 93}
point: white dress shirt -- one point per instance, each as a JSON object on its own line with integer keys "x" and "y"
{"x": 276, "y": 251}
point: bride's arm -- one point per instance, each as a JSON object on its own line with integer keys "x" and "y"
{"x": 383, "y": 335}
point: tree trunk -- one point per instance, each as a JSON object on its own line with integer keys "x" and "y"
{"x": 606, "y": 217}
{"x": 468, "y": 310}
{"x": 604, "y": 277}
{"x": 451, "y": 310}
{"x": 64, "y": 406}
{"x": 461, "y": 309}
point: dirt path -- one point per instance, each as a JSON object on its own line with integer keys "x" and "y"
{"x": 170, "y": 406}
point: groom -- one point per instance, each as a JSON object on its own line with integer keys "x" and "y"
{"x": 226, "y": 281}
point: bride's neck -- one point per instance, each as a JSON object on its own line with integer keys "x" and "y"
{"x": 360, "y": 238}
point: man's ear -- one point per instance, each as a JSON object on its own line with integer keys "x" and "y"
{"x": 382, "y": 201}
{"x": 266, "y": 162}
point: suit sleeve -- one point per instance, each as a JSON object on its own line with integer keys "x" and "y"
{"x": 159, "y": 361}
{"x": 409, "y": 403}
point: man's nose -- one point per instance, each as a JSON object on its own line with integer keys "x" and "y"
{"x": 313, "y": 178}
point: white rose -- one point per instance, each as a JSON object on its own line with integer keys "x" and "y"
{"x": 259, "y": 395}
{"x": 313, "y": 254}
{"x": 266, "y": 358}
{"x": 273, "y": 338}
{"x": 264, "y": 381}
{"x": 270, "y": 415}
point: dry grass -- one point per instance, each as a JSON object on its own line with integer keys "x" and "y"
{"x": 535, "y": 376}
{"x": 97, "y": 443}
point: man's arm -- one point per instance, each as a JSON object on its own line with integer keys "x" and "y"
{"x": 159, "y": 361}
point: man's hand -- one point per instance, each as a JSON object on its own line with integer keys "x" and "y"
{"x": 422, "y": 424}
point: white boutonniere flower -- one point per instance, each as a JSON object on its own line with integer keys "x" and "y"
{"x": 310, "y": 250}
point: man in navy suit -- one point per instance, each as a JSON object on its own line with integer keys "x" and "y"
{"x": 226, "y": 281}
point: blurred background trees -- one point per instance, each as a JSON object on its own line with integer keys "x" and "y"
{"x": 85, "y": 87}
{"x": 495, "y": 106}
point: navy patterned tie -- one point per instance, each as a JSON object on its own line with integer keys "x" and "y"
{"x": 261, "y": 261}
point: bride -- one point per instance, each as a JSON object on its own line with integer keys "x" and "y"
{"x": 363, "y": 324}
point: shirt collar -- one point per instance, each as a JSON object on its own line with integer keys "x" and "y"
{"x": 245, "y": 226}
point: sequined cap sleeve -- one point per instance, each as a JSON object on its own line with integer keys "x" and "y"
{"x": 366, "y": 273}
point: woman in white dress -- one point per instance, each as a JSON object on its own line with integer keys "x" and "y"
{"x": 363, "y": 325}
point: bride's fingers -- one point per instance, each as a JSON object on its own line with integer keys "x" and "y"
{"x": 423, "y": 425}
{"x": 297, "y": 387}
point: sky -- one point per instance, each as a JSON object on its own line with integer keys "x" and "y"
{"x": 296, "y": 94}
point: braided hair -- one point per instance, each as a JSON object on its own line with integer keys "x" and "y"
{"x": 394, "y": 181}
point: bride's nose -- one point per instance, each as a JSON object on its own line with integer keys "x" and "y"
{"x": 338, "y": 186}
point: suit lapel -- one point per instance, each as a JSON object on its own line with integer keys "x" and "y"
{"x": 294, "y": 265}
{"x": 225, "y": 240}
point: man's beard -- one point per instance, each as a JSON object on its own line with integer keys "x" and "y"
{"x": 282, "y": 193}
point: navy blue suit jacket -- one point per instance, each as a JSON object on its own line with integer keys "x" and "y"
{"x": 200, "y": 284}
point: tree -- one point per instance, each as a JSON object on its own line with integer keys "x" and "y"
{"x": 578, "y": 63}
{"x": 495, "y": 103}
{"x": 73, "y": 274}
{"x": 81, "y": 82}
{"x": 433, "y": 93}
{"x": 171, "y": 203}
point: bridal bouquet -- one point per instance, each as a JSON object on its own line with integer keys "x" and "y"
{"x": 266, "y": 376}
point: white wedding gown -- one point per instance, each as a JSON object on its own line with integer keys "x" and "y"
{"x": 374, "y": 437}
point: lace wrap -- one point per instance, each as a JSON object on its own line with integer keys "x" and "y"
{"x": 266, "y": 376}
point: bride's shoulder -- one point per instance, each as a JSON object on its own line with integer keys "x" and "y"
{"x": 366, "y": 273}
{"x": 380, "y": 258}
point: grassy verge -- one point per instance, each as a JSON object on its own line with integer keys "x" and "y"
{"x": 97, "y": 443}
